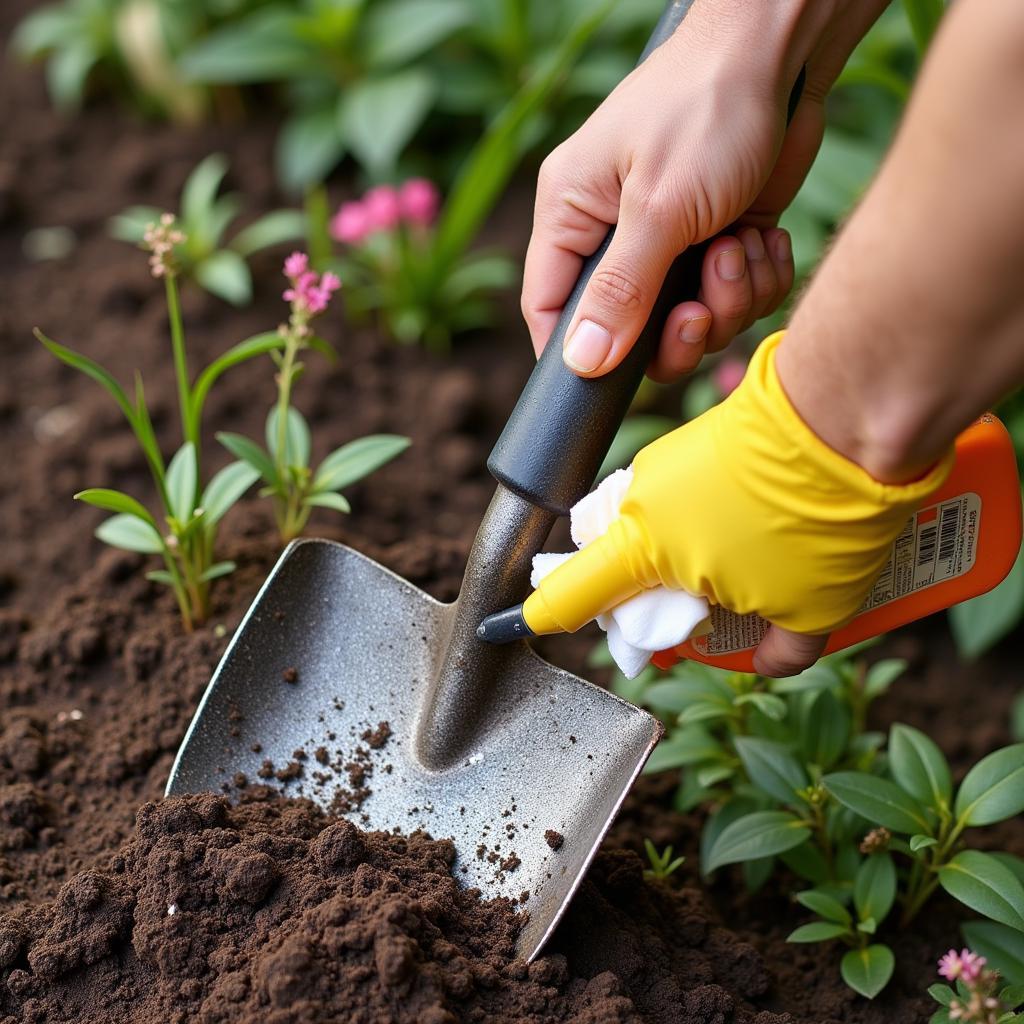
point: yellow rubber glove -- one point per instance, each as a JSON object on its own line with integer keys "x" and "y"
{"x": 747, "y": 507}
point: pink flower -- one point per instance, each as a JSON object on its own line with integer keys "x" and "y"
{"x": 727, "y": 374}
{"x": 296, "y": 264}
{"x": 310, "y": 292}
{"x": 419, "y": 200}
{"x": 382, "y": 208}
{"x": 351, "y": 224}
{"x": 965, "y": 965}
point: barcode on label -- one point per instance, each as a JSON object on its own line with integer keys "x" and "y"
{"x": 926, "y": 548}
{"x": 949, "y": 526}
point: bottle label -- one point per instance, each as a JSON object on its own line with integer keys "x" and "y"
{"x": 938, "y": 543}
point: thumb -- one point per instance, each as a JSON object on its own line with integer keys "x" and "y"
{"x": 622, "y": 290}
{"x": 584, "y": 586}
{"x": 782, "y": 652}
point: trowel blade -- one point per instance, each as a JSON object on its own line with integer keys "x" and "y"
{"x": 320, "y": 693}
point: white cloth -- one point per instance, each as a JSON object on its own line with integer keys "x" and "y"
{"x": 653, "y": 620}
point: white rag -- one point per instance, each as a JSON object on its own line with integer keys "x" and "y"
{"x": 653, "y": 620}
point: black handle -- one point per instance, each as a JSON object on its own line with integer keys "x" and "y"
{"x": 562, "y": 426}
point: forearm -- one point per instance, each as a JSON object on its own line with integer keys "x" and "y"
{"x": 915, "y": 322}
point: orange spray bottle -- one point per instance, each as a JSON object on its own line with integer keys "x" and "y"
{"x": 959, "y": 545}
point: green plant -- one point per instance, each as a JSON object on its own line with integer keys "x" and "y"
{"x": 793, "y": 776}
{"x": 284, "y": 467}
{"x": 420, "y": 275}
{"x": 184, "y": 533}
{"x": 218, "y": 266}
{"x": 662, "y": 864}
{"x": 128, "y": 46}
{"x": 979, "y": 997}
{"x": 356, "y": 80}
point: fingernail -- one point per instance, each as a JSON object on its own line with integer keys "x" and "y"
{"x": 731, "y": 264}
{"x": 587, "y": 347}
{"x": 695, "y": 329}
{"x": 783, "y": 246}
{"x": 753, "y": 244}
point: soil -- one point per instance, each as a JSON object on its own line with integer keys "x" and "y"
{"x": 116, "y": 906}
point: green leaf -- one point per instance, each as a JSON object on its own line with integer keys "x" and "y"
{"x": 357, "y": 459}
{"x": 257, "y": 345}
{"x": 767, "y": 703}
{"x": 683, "y": 689}
{"x": 867, "y": 971}
{"x": 378, "y": 116}
{"x": 711, "y": 774}
{"x": 182, "y": 478}
{"x": 263, "y": 47}
{"x": 402, "y": 30}
{"x": 686, "y": 746}
{"x": 1001, "y": 945}
{"x": 329, "y": 499}
{"x": 91, "y": 369}
{"x": 130, "y": 225}
{"x": 477, "y": 273}
{"x": 882, "y": 675}
{"x": 772, "y": 767}
{"x": 297, "y": 440}
{"x": 761, "y": 834}
{"x": 1014, "y": 863}
{"x": 874, "y": 888}
{"x": 920, "y": 842}
{"x": 868, "y": 926}
{"x": 217, "y": 570}
{"x": 820, "y": 676}
{"x": 808, "y": 863}
{"x": 225, "y": 274}
{"x": 919, "y": 767}
{"x": 924, "y": 17}
{"x": 942, "y": 994}
{"x": 940, "y": 1017}
{"x": 700, "y": 395}
{"x": 993, "y": 789}
{"x": 200, "y": 190}
{"x": 115, "y": 501}
{"x": 825, "y": 729}
{"x": 309, "y": 146}
{"x": 225, "y": 489}
{"x": 703, "y": 711}
{"x": 130, "y": 533}
{"x": 271, "y": 229}
{"x": 880, "y": 801}
{"x": 1012, "y": 995}
{"x": 44, "y": 29}
{"x": 980, "y": 882}
{"x": 161, "y": 576}
{"x": 817, "y": 931}
{"x": 982, "y": 622}
{"x": 825, "y": 906}
{"x": 67, "y": 71}
{"x": 250, "y": 452}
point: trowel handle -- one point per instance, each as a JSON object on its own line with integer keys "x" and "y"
{"x": 563, "y": 425}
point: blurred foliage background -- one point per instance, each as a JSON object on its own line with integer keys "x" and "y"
{"x": 462, "y": 92}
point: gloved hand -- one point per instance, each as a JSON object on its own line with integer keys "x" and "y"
{"x": 747, "y": 507}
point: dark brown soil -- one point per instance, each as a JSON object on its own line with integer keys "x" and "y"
{"x": 282, "y": 914}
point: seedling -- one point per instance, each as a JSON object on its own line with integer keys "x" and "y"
{"x": 662, "y": 864}
{"x": 794, "y": 777}
{"x": 184, "y": 533}
{"x": 979, "y": 997}
{"x": 218, "y": 266}
{"x": 283, "y": 466}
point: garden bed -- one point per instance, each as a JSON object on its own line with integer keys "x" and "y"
{"x": 279, "y": 914}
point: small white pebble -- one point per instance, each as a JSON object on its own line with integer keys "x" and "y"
{"x": 172, "y": 909}
{"x": 75, "y": 715}
{"x": 55, "y": 423}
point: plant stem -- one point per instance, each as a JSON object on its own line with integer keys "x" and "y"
{"x": 188, "y": 427}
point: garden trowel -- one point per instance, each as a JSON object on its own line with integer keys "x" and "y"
{"x": 348, "y": 685}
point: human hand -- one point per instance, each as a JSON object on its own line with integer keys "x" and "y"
{"x": 692, "y": 143}
{"x": 747, "y": 507}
